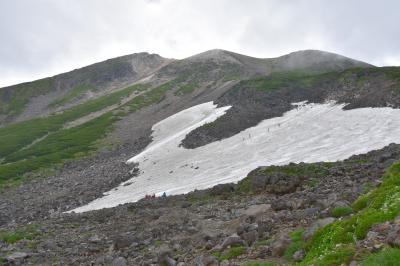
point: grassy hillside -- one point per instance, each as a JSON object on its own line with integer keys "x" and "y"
{"x": 14, "y": 99}
{"x": 62, "y": 144}
{"x": 336, "y": 243}
{"x": 18, "y": 135}
{"x": 70, "y": 85}
{"x": 73, "y": 94}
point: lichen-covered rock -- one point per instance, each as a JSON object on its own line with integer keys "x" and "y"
{"x": 279, "y": 246}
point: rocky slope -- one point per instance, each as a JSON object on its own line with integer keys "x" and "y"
{"x": 251, "y": 222}
{"x": 102, "y": 115}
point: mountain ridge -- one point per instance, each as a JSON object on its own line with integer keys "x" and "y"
{"x": 42, "y": 97}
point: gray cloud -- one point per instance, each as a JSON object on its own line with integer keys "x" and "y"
{"x": 45, "y": 37}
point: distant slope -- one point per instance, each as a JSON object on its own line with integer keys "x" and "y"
{"x": 36, "y": 98}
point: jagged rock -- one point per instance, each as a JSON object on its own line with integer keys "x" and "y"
{"x": 205, "y": 261}
{"x": 94, "y": 239}
{"x": 278, "y": 183}
{"x": 279, "y": 246}
{"x": 163, "y": 256}
{"x": 372, "y": 235}
{"x": 298, "y": 255}
{"x": 250, "y": 237}
{"x": 316, "y": 225}
{"x": 257, "y": 210}
{"x": 122, "y": 242}
{"x": 393, "y": 237}
{"x": 279, "y": 204}
{"x": 245, "y": 227}
{"x": 327, "y": 201}
{"x": 107, "y": 260}
{"x": 232, "y": 241}
{"x": 353, "y": 263}
{"x": 381, "y": 228}
{"x": 17, "y": 256}
{"x": 120, "y": 261}
{"x": 265, "y": 226}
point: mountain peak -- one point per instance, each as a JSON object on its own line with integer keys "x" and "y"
{"x": 214, "y": 54}
{"x": 317, "y": 60}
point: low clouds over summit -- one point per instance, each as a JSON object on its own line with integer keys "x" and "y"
{"x": 45, "y": 37}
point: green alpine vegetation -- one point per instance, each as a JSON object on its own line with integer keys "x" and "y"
{"x": 296, "y": 244}
{"x": 16, "y": 136}
{"x": 27, "y": 232}
{"x": 334, "y": 244}
{"x": 72, "y": 94}
{"x": 12, "y": 104}
{"x": 230, "y": 253}
{"x": 387, "y": 257}
{"x": 63, "y": 144}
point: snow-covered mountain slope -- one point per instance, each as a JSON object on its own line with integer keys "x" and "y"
{"x": 308, "y": 133}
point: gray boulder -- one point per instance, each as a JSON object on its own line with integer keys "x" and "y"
{"x": 393, "y": 237}
{"x": 232, "y": 241}
{"x": 16, "y": 256}
{"x": 317, "y": 225}
{"x": 279, "y": 246}
{"x": 120, "y": 261}
{"x": 205, "y": 261}
{"x": 277, "y": 183}
{"x": 164, "y": 257}
{"x": 298, "y": 255}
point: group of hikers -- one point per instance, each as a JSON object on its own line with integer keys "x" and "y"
{"x": 153, "y": 196}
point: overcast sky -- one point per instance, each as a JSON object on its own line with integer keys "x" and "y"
{"x": 45, "y": 37}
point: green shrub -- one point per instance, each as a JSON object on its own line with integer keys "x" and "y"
{"x": 338, "y": 256}
{"x": 187, "y": 88}
{"x": 341, "y": 211}
{"x": 336, "y": 240}
{"x": 296, "y": 244}
{"x": 229, "y": 253}
{"x": 28, "y": 232}
{"x": 312, "y": 182}
{"x": 259, "y": 264}
{"x": 244, "y": 185}
{"x": 360, "y": 203}
{"x": 263, "y": 242}
{"x": 386, "y": 257}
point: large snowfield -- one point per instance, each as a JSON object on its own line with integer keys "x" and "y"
{"x": 308, "y": 133}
